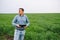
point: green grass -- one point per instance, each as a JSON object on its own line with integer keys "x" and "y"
{"x": 42, "y": 26}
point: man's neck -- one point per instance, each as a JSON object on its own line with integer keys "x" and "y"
{"x": 21, "y": 14}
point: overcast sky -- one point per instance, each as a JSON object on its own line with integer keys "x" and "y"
{"x": 30, "y": 6}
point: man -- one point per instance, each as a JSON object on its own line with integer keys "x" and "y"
{"x": 20, "y": 22}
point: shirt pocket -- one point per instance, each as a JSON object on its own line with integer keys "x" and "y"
{"x": 24, "y": 19}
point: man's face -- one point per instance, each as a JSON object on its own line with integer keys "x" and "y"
{"x": 20, "y": 11}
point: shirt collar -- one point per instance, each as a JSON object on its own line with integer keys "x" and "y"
{"x": 21, "y": 15}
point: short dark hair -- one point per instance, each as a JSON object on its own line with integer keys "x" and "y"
{"x": 21, "y": 9}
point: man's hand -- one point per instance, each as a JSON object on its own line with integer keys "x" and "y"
{"x": 25, "y": 27}
{"x": 18, "y": 25}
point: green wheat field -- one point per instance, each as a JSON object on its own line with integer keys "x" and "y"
{"x": 42, "y": 27}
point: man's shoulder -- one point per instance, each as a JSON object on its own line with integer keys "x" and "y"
{"x": 16, "y": 15}
{"x": 25, "y": 15}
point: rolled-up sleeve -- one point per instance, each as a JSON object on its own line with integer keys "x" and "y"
{"x": 14, "y": 21}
